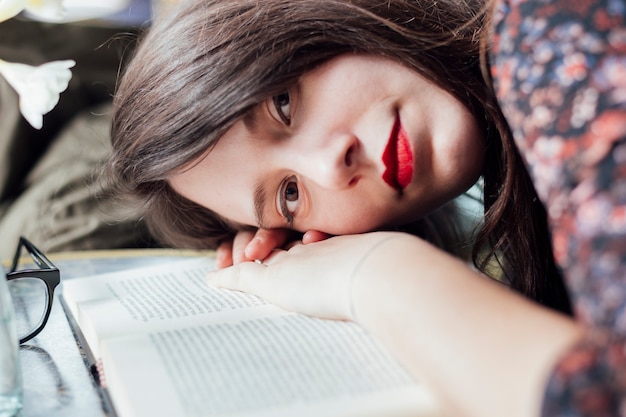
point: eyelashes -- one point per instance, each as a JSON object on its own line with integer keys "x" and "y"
{"x": 289, "y": 198}
{"x": 282, "y": 107}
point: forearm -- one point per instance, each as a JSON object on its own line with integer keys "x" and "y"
{"x": 465, "y": 335}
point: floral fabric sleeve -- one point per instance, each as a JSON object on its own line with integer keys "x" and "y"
{"x": 559, "y": 69}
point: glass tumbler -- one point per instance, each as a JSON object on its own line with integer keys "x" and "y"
{"x": 10, "y": 369}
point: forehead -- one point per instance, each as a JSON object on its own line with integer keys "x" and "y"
{"x": 223, "y": 179}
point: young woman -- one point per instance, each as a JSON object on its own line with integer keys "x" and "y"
{"x": 214, "y": 62}
{"x": 341, "y": 117}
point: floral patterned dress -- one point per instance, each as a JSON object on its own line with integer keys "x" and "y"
{"x": 559, "y": 69}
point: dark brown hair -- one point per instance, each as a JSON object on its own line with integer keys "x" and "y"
{"x": 201, "y": 69}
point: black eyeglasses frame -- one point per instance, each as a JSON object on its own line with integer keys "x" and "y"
{"x": 47, "y": 272}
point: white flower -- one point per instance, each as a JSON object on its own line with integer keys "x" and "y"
{"x": 38, "y": 87}
{"x": 42, "y": 9}
{"x": 10, "y": 8}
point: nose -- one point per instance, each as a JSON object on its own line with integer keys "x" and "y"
{"x": 332, "y": 164}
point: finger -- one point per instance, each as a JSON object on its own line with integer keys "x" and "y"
{"x": 273, "y": 256}
{"x": 245, "y": 276}
{"x": 265, "y": 241}
{"x": 241, "y": 240}
{"x": 224, "y": 254}
{"x": 313, "y": 236}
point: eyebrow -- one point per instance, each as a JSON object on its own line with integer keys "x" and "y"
{"x": 260, "y": 199}
{"x": 250, "y": 121}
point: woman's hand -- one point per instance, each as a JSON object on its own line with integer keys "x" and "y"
{"x": 315, "y": 279}
{"x": 252, "y": 245}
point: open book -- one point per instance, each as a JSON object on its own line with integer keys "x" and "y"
{"x": 168, "y": 344}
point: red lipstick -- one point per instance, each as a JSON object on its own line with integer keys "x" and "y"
{"x": 398, "y": 158}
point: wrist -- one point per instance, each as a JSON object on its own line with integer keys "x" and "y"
{"x": 372, "y": 281}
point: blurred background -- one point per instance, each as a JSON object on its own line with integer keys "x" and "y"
{"x": 48, "y": 192}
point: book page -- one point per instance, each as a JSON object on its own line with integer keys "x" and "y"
{"x": 171, "y": 345}
{"x": 146, "y": 299}
{"x": 275, "y": 366}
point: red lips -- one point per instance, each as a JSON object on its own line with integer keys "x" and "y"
{"x": 398, "y": 158}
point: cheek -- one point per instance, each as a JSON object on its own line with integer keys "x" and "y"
{"x": 463, "y": 158}
{"x": 351, "y": 218}
{"x": 473, "y": 155}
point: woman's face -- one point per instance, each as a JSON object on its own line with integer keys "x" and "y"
{"x": 358, "y": 144}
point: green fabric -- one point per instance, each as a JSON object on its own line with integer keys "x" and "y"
{"x": 63, "y": 206}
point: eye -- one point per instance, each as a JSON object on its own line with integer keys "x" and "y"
{"x": 281, "y": 108}
{"x": 289, "y": 198}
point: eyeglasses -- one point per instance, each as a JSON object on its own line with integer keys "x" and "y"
{"x": 32, "y": 291}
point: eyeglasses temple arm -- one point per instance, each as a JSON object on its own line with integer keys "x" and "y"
{"x": 40, "y": 259}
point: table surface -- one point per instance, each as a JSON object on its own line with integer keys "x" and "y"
{"x": 57, "y": 380}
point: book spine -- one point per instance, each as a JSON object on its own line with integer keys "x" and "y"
{"x": 97, "y": 372}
